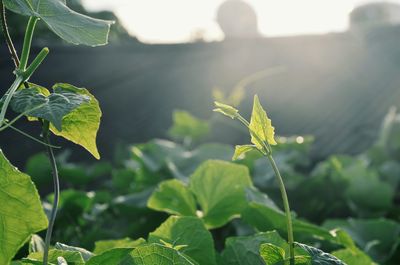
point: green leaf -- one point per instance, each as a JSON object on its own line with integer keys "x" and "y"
{"x": 266, "y": 218}
{"x": 21, "y": 212}
{"x": 189, "y": 232}
{"x": 73, "y": 257}
{"x": 86, "y": 255}
{"x": 52, "y": 108}
{"x": 226, "y": 110}
{"x": 105, "y": 245}
{"x": 353, "y": 257}
{"x": 220, "y": 191}
{"x": 157, "y": 254}
{"x": 188, "y": 126}
{"x": 379, "y": 238}
{"x": 272, "y": 254}
{"x": 320, "y": 257}
{"x": 114, "y": 256}
{"x": 261, "y": 126}
{"x": 174, "y": 197}
{"x": 81, "y": 125}
{"x": 240, "y": 150}
{"x": 66, "y": 23}
{"x": 245, "y": 250}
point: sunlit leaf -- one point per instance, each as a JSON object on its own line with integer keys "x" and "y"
{"x": 82, "y": 124}
{"x": 272, "y": 254}
{"x": 226, "y": 110}
{"x": 21, "y": 212}
{"x": 105, "y": 245}
{"x": 241, "y": 150}
{"x": 261, "y": 126}
{"x": 320, "y": 257}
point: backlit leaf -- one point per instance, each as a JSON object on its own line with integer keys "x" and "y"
{"x": 21, "y": 212}
{"x": 66, "y": 23}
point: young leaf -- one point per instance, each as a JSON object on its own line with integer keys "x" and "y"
{"x": 173, "y": 197}
{"x": 52, "y": 108}
{"x": 189, "y": 232}
{"x": 272, "y": 254}
{"x": 226, "y": 110}
{"x": 186, "y": 125}
{"x": 36, "y": 244}
{"x": 86, "y": 255}
{"x": 21, "y": 212}
{"x": 240, "y": 150}
{"x": 261, "y": 125}
{"x": 66, "y": 23}
{"x": 320, "y": 257}
{"x": 81, "y": 125}
{"x": 225, "y": 199}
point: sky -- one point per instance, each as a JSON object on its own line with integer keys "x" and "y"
{"x": 174, "y": 21}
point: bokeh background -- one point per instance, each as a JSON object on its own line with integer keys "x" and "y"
{"x": 324, "y": 68}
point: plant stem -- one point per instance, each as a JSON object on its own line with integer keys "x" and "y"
{"x": 35, "y": 63}
{"x": 56, "y": 183}
{"x": 26, "y": 48}
{"x": 31, "y": 137}
{"x": 17, "y": 83}
{"x": 285, "y": 206}
{"x": 7, "y": 36}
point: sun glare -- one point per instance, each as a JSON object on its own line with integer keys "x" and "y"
{"x": 181, "y": 20}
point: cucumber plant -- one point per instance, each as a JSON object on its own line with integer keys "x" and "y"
{"x": 66, "y": 110}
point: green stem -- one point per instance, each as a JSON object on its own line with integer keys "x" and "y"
{"x": 31, "y": 137}
{"x": 35, "y": 63}
{"x": 285, "y": 206}
{"x": 17, "y": 83}
{"x": 26, "y": 48}
{"x": 56, "y": 183}
{"x": 8, "y": 124}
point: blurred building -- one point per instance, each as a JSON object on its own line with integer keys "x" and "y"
{"x": 373, "y": 15}
{"x": 237, "y": 20}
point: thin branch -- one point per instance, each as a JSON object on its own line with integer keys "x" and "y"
{"x": 7, "y": 36}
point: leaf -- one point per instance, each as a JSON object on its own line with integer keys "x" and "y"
{"x": 61, "y": 261}
{"x": 156, "y": 254}
{"x": 21, "y": 212}
{"x": 240, "y": 150}
{"x": 66, "y": 23}
{"x": 272, "y": 254}
{"x": 74, "y": 257}
{"x": 52, "y": 108}
{"x": 190, "y": 232}
{"x": 320, "y": 257}
{"x": 245, "y": 250}
{"x": 173, "y": 197}
{"x": 226, "y": 110}
{"x": 113, "y": 256}
{"x": 81, "y": 125}
{"x": 353, "y": 257}
{"x": 266, "y": 218}
{"x": 261, "y": 126}
{"x": 379, "y": 238}
{"x": 219, "y": 188}
{"x": 105, "y": 245}
{"x": 86, "y": 255}
{"x": 188, "y": 126}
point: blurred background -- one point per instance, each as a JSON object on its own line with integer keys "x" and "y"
{"x": 324, "y": 68}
